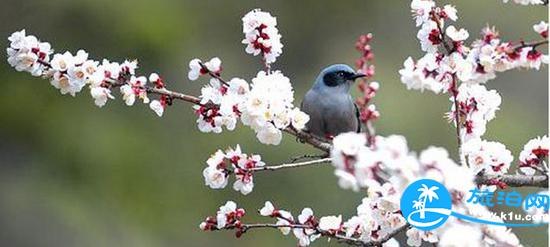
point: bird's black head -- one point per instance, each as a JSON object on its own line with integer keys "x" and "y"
{"x": 339, "y": 74}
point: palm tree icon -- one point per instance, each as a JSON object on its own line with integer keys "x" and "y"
{"x": 425, "y": 194}
{"x": 417, "y": 204}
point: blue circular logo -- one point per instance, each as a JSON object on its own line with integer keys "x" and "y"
{"x": 426, "y": 204}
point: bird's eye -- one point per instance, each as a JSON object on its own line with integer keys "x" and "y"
{"x": 341, "y": 74}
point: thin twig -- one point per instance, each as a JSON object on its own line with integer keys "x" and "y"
{"x": 291, "y": 165}
{"x": 340, "y": 238}
{"x": 212, "y": 74}
{"x": 517, "y": 180}
{"x": 307, "y": 156}
{"x": 453, "y": 89}
{"x": 533, "y": 44}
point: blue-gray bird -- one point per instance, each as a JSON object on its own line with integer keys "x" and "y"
{"x": 329, "y": 105}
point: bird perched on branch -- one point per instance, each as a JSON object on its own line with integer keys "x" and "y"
{"x": 329, "y": 105}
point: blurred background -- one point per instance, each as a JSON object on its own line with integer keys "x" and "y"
{"x": 72, "y": 174}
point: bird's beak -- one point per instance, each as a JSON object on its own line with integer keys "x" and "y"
{"x": 357, "y": 75}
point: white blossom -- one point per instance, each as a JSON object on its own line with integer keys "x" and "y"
{"x": 423, "y": 74}
{"x": 283, "y": 220}
{"x": 415, "y": 237}
{"x": 541, "y": 28}
{"x": 101, "y": 95}
{"x": 214, "y": 174}
{"x": 157, "y": 107}
{"x": 299, "y": 118}
{"x": 214, "y": 177}
{"x": 196, "y": 70}
{"x": 421, "y": 10}
{"x": 330, "y": 223}
{"x": 429, "y": 37}
{"x": 450, "y": 11}
{"x": 488, "y": 157}
{"x": 457, "y": 35}
{"x": 268, "y": 209}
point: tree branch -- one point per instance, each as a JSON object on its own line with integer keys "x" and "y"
{"x": 340, "y": 238}
{"x": 533, "y": 44}
{"x": 303, "y": 136}
{"x": 389, "y": 236}
{"x": 517, "y": 180}
{"x": 291, "y": 165}
{"x": 309, "y": 138}
{"x": 452, "y": 89}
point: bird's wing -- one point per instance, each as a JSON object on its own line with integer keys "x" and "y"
{"x": 357, "y": 116}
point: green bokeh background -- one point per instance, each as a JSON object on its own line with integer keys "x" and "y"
{"x": 72, "y": 174}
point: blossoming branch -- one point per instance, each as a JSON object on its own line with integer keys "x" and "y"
{"x": 381, "y": 166}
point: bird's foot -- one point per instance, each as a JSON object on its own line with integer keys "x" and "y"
{"x": 329, "y": 136}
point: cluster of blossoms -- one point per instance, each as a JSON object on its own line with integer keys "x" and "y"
{"x": 269, "y": 108}
{"x": 367, "y": 111}
{"x": 361, "y": 166}
{"x": 311, "y": 226}
{"x": 262, "y": 36}
{"x": 489, "y": 158}
{"x": 26, "y": 52}
{"x": 451, "y": 66}
{"x": 266, "y": 105}
{"x": 71, "y": 73}
{"x": 438, "y": 70}
{"x": 387, "y": 167}
{"x": 489, "y": 54}
{"x": 228, "y": 216}
{"x": 220, "y": 165}
{"x": 533, "y": 158}
{"x": 385, "y": 170}
{"x": 306, "y": 227}
{"x": 221, "y": 104}
{"x": 476, "y": 107}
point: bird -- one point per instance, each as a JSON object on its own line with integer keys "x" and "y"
{"x": 328, "y": 103}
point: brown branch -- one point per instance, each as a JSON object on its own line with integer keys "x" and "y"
{"x": 212, "y": 74}
{"x": 308, "y": 157}
{"x": 517, "y": 180}
{"x": 533, "y": 44}
{"x": 454, "y": 92}
{"x": 442, "y": 34}
{"x": 174, "y": 95}
{"x": 340, "y": 238}
{"x": 453, "y": 89}
{"x": 309, "y": 138}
